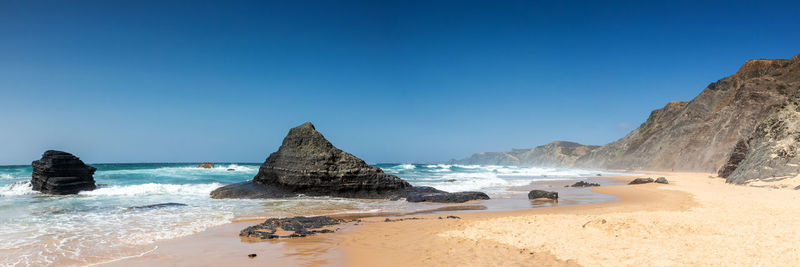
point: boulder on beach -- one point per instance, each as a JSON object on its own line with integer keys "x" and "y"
{"x": 308, "y": 164}
{"x": 642, "y": 181}
{"x": 61, "y": 173}
{"x": 430, "y": 194}
{"x": 298, "y": 226}
{"x": 539, "y": 194}
{"x": 662, "y": 180}
{"x": 207, "y": 165}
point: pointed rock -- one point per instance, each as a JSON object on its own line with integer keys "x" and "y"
{"x": 308, "y": 164}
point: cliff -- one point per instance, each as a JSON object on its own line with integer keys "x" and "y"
{"x": 699, "y": 135}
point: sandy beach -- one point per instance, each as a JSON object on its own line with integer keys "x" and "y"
{"x": 694, "y": 220}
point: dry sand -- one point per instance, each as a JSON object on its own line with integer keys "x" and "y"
{"x": 692, "y": 221}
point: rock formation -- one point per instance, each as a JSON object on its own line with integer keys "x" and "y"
{"x": 556, "y": 154}
{"x": 298, "y": 226}
{"x": 771, "y": 152}
{"x": 537, "y": 194}
{"x": 207, "y": 165}
{"x": 61, "y": 173}
{"x": 307, "y": 164}
{"x": 642, "y": 181}
{"x": 584, "y": 184}
{"x": 661, "y": 180}
{"x": 430, "y": 194}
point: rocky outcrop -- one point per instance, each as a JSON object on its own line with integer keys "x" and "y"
{"x": 308, "y": 164}
{"x": 642, "y": 181}
{"x": 207, "y": 165}
{"x": 661, "y": 180}
{"x": 771, "y": 152}
{"x": 539, "y": 194}
{"x": 430, "y": 194}
{"x": 699, "y": 135}
{"x": 294, "y": 227}
{"x": 61, "y": 173}
{"x": 584, "y": 184}
{"x": 558, "y": 153}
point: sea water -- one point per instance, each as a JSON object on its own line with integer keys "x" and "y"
{"x": 102, "y": 225}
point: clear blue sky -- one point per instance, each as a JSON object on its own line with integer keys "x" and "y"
{"x": 406, "y": 81}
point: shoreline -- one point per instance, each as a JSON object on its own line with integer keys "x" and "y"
{"x": 693, "y": 220}
{"x": 224, "y": 245}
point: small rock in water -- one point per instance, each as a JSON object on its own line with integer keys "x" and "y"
{"x": 662, "y": 180}
{"x": 207, "y": 165}
{"x": 252, "y": 255}
{"x": 156, "y": 206}
{"x": 230, "y": 170}
{"x": 599, "y": 174}
{"x": 452, "y": 180}
{"x": 584, "y": 184}
{"x": 537, "y": 194}
{"x": 641, "y": 181}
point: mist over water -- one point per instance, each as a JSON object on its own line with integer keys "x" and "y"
{"x": 101, "y": 225}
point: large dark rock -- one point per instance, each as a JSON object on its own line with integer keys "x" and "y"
{"x": 307, "y": 164}
{"x": 662, "y": 180}
{"x": 430, "y": 194}
{"x": 537, "y": 194}
{"x": 299, "y": 226}
{"x": 61, "y": 173}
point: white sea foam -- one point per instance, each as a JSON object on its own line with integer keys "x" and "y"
{"x": 17, "y": 189}
{"x": 408, "y": 166}
{"x": 154, "y": 189}
{"x": 7, "y": 176}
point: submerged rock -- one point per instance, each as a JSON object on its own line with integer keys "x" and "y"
{"x": 308, "y": 164}
{"x": 642, "y": 181}
{"x": 61, "y": 173}
{"x": 537, "y": 194}
{"x": 584, "y": 184}
{"x": 662, "y": 180}
{"x": 207, "y": 165}
{"x": 157, "y": 206}
{"x": 299, "y": 226}
{"x": 430, "y": 194}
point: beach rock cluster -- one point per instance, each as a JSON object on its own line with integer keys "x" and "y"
{"x": 308, "y": 164}
{"x": 584, "y": 184}
{"x": 539, "y": 194}
{"x": 61, "y": 173}
{"x": 660, "y": 180}
{"x": 294, "y": 226}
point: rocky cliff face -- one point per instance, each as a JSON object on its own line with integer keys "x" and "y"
{"x": 700, "y": 135}
{"x": 771, "y": 152}
{"x": 61, "y": 173}
{"x": 558, "y": 153}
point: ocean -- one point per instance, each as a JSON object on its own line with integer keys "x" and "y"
{"x": 105, "y": 225}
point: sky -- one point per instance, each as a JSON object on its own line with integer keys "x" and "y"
{"x": 404, "y": 81}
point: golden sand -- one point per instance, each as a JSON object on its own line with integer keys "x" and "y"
{"x": 692, "y": 221}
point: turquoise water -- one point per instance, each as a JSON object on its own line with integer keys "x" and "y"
{"x": 98, "y": 226}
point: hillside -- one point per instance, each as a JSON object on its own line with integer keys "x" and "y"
{"x": 558, "y": 153}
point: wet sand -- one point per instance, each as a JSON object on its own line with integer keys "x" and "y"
{"x": 222, "y": 244}
{"x": 692, "y": 221}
